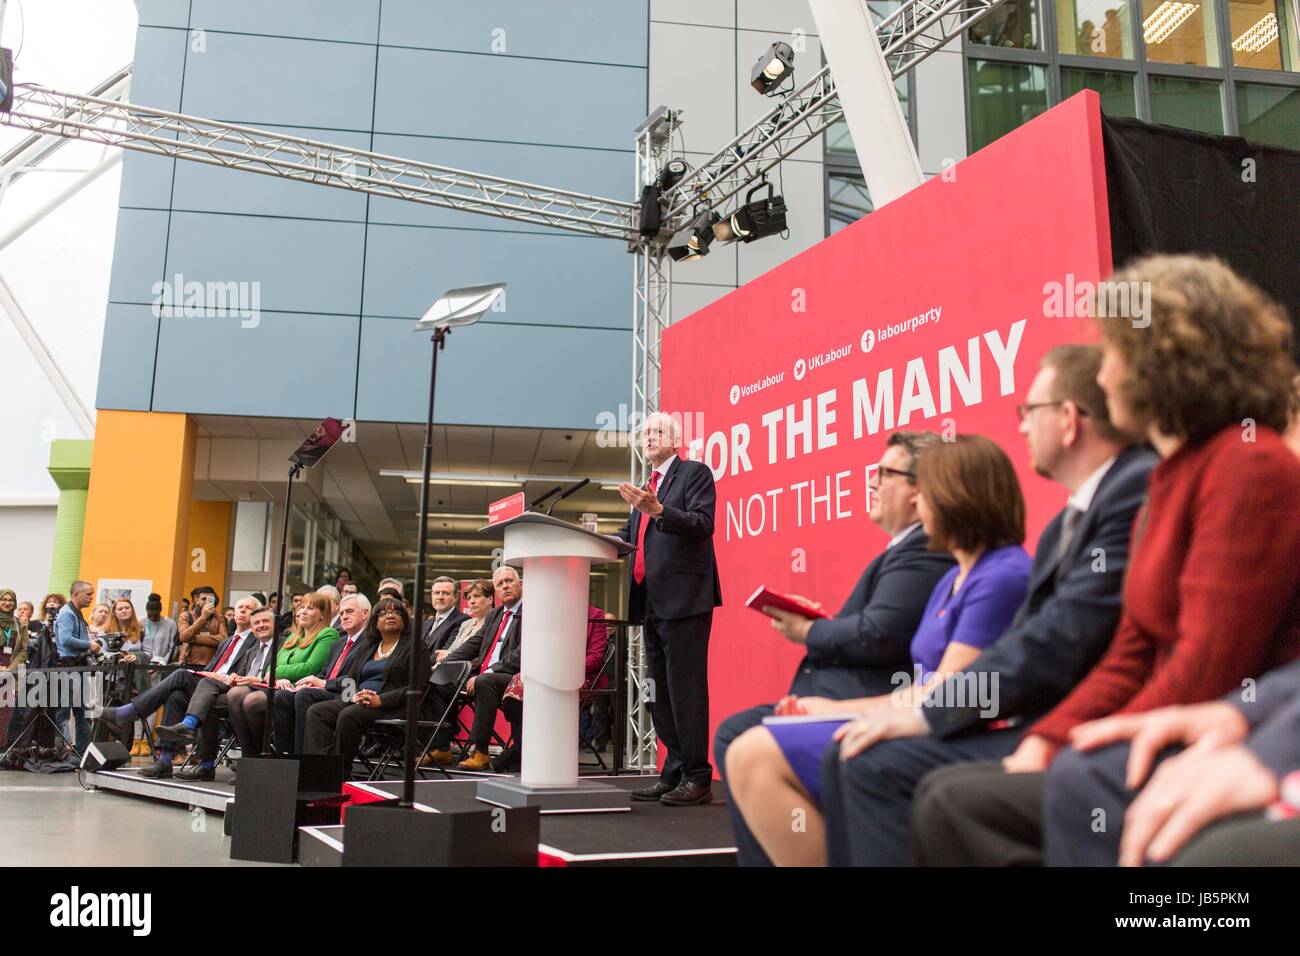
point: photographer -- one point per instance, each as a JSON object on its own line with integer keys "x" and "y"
{"x": 206, "y": 630}
{"x": 73, "y": 643}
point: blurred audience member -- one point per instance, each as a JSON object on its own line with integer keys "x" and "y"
{"x": 1212, "y": 594}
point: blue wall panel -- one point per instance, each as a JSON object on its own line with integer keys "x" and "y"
{"x": 556, "y": 29}
{"x": 305, "y": 365}
{"x": 256, "y": 80}
{"x": 552, "y": 280}
{"x": 302, "y": 266}
{"x": 431, "y": 88}
{"x": 493, "y": 374}
{"x": 508, "y": 99}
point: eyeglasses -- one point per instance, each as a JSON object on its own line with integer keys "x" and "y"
{"x": 384, "y": 612}
{"x": 884, "y": 471}
{"x": 1024, "y": 410}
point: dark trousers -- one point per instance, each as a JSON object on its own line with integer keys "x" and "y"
{"x": 336, "y": 726}
{"x": 513, "y": 711}
{"x": 867, "y": 801}
{"x": 678, "y": 654}
{"x": 488, "y": 691}
{"x": 179, "y": 683}
{"x": 1085, "y": 803}
{"x": 1244, "y": 840}
{"x": 291, "y": 716}
{"x": 207, "y": 703}
{"x": 489, "y": 688}
{"x": 748, "y": 850}
{"x": 977, "y": 814}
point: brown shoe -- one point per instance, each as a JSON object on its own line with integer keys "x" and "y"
{"x": 479, "y": 761}
{"x": 444, "y": 757}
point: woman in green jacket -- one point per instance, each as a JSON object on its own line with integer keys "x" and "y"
{"x": 304, "y": 652}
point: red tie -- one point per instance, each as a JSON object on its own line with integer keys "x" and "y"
{"x": 638, "y": 563}
{"x": 487, "y": 658}
{"x": 225, "y": 656}
{"x": 338, "y": 664}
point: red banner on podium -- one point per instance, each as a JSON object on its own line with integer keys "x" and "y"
{"x": 506, "y": 508}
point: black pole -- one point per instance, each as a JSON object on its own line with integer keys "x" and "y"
{"x": 421, "y": 549}
{"x": 294, "y": 469}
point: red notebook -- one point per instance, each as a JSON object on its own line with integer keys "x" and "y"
{"x": 786, "y": 602}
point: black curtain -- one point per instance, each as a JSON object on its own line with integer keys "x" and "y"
{"x": 1172, "y": 190}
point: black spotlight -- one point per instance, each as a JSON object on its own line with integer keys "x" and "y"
{"x": 772, "y": 68}
{"x": 694, "y": 240}
{"x": 672, "y": 174}
{"x": 754, "y": 220}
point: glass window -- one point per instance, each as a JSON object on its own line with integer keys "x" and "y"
{"x": 1003, "y": 95}
{"x": 1269, "y": 114}
{"x": 1180, "y": 31}
{"x": 1094, "y": 28}
{"x": 1116, "y": 89}
{"x": 1191, "y": 104}
{"x": 847, "y": 200}
{"x": 1263, "y": 34}
{"x": 1014, "y": 24}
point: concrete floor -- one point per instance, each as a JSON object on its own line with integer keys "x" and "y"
{"x": 49, "y": 820}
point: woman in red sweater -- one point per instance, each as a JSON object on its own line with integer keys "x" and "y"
{"x": 1212, "y": 596}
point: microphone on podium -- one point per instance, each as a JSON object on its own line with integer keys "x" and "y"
{"x": 569, "y": 491}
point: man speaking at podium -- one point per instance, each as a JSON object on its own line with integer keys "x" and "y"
{"x": 674, "y": 589}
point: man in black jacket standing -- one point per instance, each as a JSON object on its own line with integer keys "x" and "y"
{"x": 674, "y": 589}
{"x": 857, "y": 652}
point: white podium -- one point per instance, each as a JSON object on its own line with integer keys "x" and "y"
{"x": 556, "y": 559}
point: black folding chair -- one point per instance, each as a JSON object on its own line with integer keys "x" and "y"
{"x": 455, "y": 674}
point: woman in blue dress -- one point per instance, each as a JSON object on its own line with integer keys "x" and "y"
{"x": 970, "y": 504}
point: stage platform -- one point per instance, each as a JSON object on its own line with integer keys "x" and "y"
{"x": 649, "y": 834}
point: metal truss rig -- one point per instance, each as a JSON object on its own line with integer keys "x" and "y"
{"x": 907, "y": 36}
{"x": 98, "y": 120}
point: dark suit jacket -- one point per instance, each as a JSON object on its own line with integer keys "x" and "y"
{"x": 239, "y": 653}
{"x": 512, "y": 643}
{"x": 392, "y": 692}
{"x": 1274, "y": 718}
{"x": 1070, "y": 612}
{"x": 248, "y": 657}
{"x": 681, "y": 572}
{"x": 855, "y": 653}
{"x": 437, "y": 640}
{"x": 335, "y": 686}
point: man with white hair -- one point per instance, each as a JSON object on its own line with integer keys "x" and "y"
{"x": 674, "y": 588}
{"x": 331, "y": 592}
{"x": 326, "y": 684}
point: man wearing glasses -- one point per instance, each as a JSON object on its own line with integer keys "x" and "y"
{"x": 855, "y": 653}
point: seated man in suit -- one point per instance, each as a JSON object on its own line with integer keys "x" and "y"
{"x": 1061, "y": 630}
{"x": 199, "y": 720}
{"x": 173, "y": 694}
{"x": 1203, "y": 805}
{"x": 494, "y": 653}
{"x": 854, "y": 653}
{"x": 326, "y": 684}
{"x": 440, "y": 630}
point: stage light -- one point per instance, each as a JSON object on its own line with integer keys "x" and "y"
{"x": 754, "y": 220}
{"x": 694, "y": 240}
{"x": 1166, "y": 18}
{"x": 672, "y": 174}
{"x": 772, "y": 68}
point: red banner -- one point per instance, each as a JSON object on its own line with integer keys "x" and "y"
{"x": 931, "y": 313}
